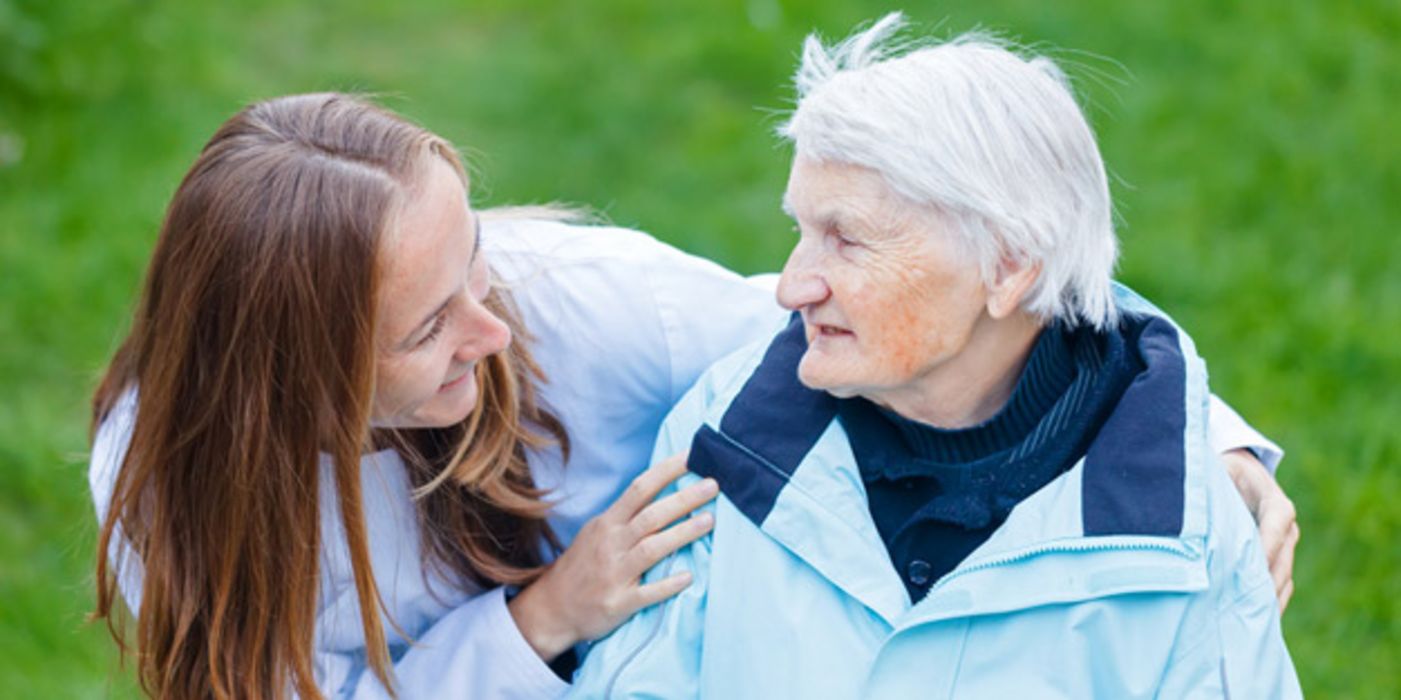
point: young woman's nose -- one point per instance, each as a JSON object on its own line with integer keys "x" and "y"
{"x": 484, "y": 333}
{"x": 801, "y": 283}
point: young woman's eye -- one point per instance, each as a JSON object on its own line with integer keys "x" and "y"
{"x": 435, "y": 331}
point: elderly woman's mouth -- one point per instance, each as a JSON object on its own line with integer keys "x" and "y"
{"x": 826, "y": 331}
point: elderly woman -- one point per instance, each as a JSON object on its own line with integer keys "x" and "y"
{"x": 971, "y": 465}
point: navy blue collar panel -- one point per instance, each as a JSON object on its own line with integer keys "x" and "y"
{"x": 1135, "y": 470}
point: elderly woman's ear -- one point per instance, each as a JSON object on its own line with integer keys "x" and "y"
{"x": 1010, "y": 286}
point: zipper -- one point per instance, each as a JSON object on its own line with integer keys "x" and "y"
{"x": 1168, "y": 546}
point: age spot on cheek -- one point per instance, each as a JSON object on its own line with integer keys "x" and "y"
{"x": 904, "y": 322}
{"x": 903, "y": 347}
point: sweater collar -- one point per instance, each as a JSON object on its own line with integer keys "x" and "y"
{"x": 1069, "y": 385}
{"x": 1049, "y": 370}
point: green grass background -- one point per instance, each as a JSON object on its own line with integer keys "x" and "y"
{"x": 1253, "y": 143}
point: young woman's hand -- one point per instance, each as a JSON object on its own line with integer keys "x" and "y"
{"x": 596, "y": 583}
{"x": 1274, "y": 515}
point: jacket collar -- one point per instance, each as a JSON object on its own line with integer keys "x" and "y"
{"x": 785, "y": 463}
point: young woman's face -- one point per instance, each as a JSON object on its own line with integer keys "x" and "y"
{"x": 433, "y": 327}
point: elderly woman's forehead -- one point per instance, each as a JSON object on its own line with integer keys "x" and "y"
{"x": 818, "y": 187}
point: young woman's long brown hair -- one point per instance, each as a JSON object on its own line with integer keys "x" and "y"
{"x": 252, "y": 352}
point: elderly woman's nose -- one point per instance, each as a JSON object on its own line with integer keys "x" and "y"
{"x": 800, "y": 285}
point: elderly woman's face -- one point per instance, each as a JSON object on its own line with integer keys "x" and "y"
{"x": 886, "y": 297}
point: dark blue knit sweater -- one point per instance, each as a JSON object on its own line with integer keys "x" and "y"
{"x": 935, "y": 494}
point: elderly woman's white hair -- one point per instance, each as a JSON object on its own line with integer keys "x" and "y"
{"x": 994, "y": 140}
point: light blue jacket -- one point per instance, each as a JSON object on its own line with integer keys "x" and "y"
{"x": 1137, "y": 573}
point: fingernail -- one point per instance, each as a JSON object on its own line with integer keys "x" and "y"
{"x": 709, "y": 485}
{"x": 706, "y": 519}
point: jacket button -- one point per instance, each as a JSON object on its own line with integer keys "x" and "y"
{"x": 918, "y": 572}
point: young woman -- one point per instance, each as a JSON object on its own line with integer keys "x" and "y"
{"x": 330, "y": 457}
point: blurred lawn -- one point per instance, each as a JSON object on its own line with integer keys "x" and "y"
{"x": 1256, "y": 179}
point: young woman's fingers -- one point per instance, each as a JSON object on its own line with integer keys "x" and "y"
{"x": 654, "y": 548}
{"x": 1285, "y": 594}
{"x": 647, "y": 485}
{"x": 1282, "y": 566}
{"x": 652, "y": 593}
{"x": 1279, "y": 533}
{"x": 666, "y": 511}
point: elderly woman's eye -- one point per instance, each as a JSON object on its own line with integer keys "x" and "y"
{"x": 843, "y": 241}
